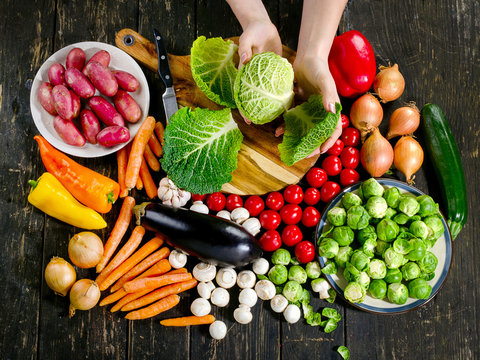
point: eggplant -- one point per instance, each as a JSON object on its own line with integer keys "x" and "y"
{"x": 210, "y": 238}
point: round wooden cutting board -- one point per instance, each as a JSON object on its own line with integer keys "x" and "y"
{"x": 259, "y": 169}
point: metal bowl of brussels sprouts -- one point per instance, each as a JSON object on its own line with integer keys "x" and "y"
{"x": 384, "y": 246}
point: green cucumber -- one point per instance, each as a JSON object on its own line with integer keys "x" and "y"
{"x": 445, "y": 157}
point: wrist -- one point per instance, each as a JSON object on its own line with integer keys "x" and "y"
{"x": 249, "y": 11}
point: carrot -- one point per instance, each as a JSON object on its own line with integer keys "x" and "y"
{"x": 139, "y": 184}
{"x": 188, "y": 320}
{"x": 159, "y": 130}
{"x": 136, "y": 153}
{"x": 155, "y": 146}
{"x": 155, "y": 282}
{"x": 123, "y": 253}
{"x": 148, "y": 183}
{"x": 151, "y": 159}
{"x": 129, "y": 263}
{"x": 159, "y": 268}
{"x": 110, "y": 299}
{"x": 122, "y": 157}
{"x": 160, "y": 306}
{"x": 119, "y": 229}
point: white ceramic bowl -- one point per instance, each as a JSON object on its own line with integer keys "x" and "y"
{"x": 119, "y": 60}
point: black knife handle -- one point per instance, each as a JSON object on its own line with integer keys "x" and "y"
{"x": 163, "y": 65}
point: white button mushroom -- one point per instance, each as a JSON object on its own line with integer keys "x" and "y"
{"x": 279, "y": 303}
{"x": 205, "y": 289}
{"x": 224, "y": 214}
{"x": 226, "y": 278}
{"x": 218, "y": 330}
{"x": 321, "y": 286}
{"x": 220, "y": 297}
{"x": 260, "y": 266}
{"x": 199, "y": 207}
{"x": 200, "y": 307}
{"x": 243, "y": 315}
{"x": 177, "y": 259}
{"x": 292, "y": 313}
{"x": 246, "y": 279}
{"x": 239, "y": 215}
{"x": 248, "y": 297}
{"x": 204, "y": 272}
{"x": 265, "y": 289}
{"x": 252, "y": 225}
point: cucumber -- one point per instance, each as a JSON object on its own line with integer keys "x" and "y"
{"x": 445, "y": 157}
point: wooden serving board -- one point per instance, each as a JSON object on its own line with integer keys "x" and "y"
{"x": 259, "y": 169}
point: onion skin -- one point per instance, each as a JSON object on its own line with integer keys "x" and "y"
{"x": 60, "y": 275}
{"x": 376, "y": 154}
{"x": 389, "y": 83}
{"x": 404, "y": 121}
{"x": 366, "y": 114}
{"x": 408, "y": 157}
{"x": 84, "y": 295}
{"x": 85, "y": 249}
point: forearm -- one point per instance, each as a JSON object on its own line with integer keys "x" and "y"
{"x": 247, "y": 11}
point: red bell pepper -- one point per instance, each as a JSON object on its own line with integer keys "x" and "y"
{"x": 352, "y": 64}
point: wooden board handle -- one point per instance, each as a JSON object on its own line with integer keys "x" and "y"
{"x": 138, "y": 47}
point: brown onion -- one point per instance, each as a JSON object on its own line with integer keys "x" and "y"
{"x": 85, "y": 249}
{"x": 389, "y": 83}
{"x": 84, "y": 295}
{"x": 60, "y": 275}
{"x": 366, "y": 114}
{"x": 404, "y": 121}
{"x": 376, "y": 154}
{"x": 408, "y": 157}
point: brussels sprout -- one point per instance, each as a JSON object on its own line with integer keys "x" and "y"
{"x": 330, "y": 325}
{"x": 343, "y": 235}
{"x": 435, "y": 226}
{"x": 343, "y": 255}
{"x": 392, "y": 196}
{"x": 374, "y": 221}
{"x": 364, "y": 280}
{"x": 360, "y": 260}
{"x": 387, "y": 230}
{"x": 402, "y": 245}
{"x": 297, "y": 273}
{"x": 402, "y": 229}
{"x": 331, "y": 313}
{"x": 328, "y": 248}
{"x": 278, "y": 274}
{"x": 351, "y": 273}
{"x": 390, "y": 213}
{"x": 408, "y": 205}
{"x": 281, "y": 257}
{"x": 418, "y": 250}
{"x": 419, "y": 229}
{"x": 381, "y": 247}
{"x": 330, "y": 268}
{"x": 354, "y": 292}
{"x": 376, "y": 207}
{"x": 337, "y": 216}
{"x": 350, "y": 199}
{"x": 344, "y": 352}
{"x": 313, "y": 269}
{"x": 366, "y": 233}
{"x": 332, "y": 295}
{"x": 410, "y": 271}
{"x": 357, "y": 217}
{"x": 393, "y": 259}
{"x": 305, "y": 298}
{"x": 419, "y": 289}
{"x": 428, "y": 263}
{"x": 397, "y": 293}
{"x": 368, "y": 247}
{"x": 371, "y": 187}
{"x": 427, "y": 277}
{"x": 427, "y": 205}
{"x": 393, "y": 276}
{"x": 401, "y": 219}
{"x": 378, "y": 289}
{"x": 292, "y": 291}
{"x": 377, "y": 269}
{"x": 360, "y": 194}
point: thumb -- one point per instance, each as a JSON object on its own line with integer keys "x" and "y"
{"x": 244, "y": 50}
{"x": 329, "y": 92}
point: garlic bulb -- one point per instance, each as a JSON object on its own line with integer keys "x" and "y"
{"x": 170, "y": 194}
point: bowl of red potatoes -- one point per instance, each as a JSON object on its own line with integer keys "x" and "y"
{"x": 89, "y": 99}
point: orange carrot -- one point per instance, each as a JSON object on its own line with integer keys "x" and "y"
{"x": 139, "y": 184}
{"x": 122, "y": 157}
{"x": 148, "y": 183}
{"x": 160, "y": 306}
{"x": 151, "y": 159}
{"x": 188, "y": 320}
{"x": 159, "y": 130}
{"x": 127, "y": 250}
{"x": 155, "y": 282}
{"x": 136, "y": 153}
{"x": 159, "y": 268}
{"x": 110, "y": 299}
{"x": 155, "y": 146}
{"x": 119, "y": 229}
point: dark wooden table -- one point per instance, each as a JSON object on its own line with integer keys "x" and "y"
{"x": 435, "y": 43}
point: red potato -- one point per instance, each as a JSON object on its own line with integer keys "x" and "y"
{"x": 79, "y": 83}
{"x": 105, "y": 111}
{"x": 126, "y": 81}
{"x": 102, "y": 78}
{"x": 113, "y": 135}
{"x": 68, "y": 132}
{"x": 127, "y": 106}
{"x": 77, "y": 105}
{"x": 63, "y": 102}
{"x": 90, "y": 125}
{"x": 45, "y": 97}
{"x": 76, "y": 59}
{"x": 56, "y": 74}
{"x": 102, "y": 56}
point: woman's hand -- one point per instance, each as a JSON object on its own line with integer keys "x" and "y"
{"x": 258, "y": 36}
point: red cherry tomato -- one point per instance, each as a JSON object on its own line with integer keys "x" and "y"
{"x": 332, "y": 165}
{"x": 216, "y": 201}
{"x": 255, "y": 205}
{"x": 196, "y": 197}
{"x": 291, "y": 214}
{"x": 345, "y": 121}
{"x": 269, "y": 219}
{"x": 349, "y": 177}
{"x": 310, "y": 216}
{"x": 316, "y": 177}
{"x": 234, "y": 201}
{"x": 336, "y": 148}
{"x": 305, "y": 251}
{"x": 350, "y": 136}
{"x": 293, "y": 194}
{"x": 312, "y": 196}
{"x": 291, "y": 235}
{"x": 270, "y": 240}
{"x": 274, "y": 201}
{"x": 329, "y": 190}
{"x": 350, "y": 157}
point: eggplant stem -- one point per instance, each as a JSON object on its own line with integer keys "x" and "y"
{"x": 139, "y": 212}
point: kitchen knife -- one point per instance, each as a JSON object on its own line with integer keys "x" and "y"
{"x": 168, "y": 97}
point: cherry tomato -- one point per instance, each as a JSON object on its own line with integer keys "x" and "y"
{"x": 293, "y": 194}
{"x": 316, "y": 177}
{"x": 291, "y": 214}
{"x": 291, "y": 235}
{"x": 254, "y": 204}
{"x": 305, "y": 251}
{"x": 350, "y": 136}
{"x": 269, "y": 219}
{"x": 329, "y": 190}
{"x": 336, "y": 148}
{"x": 310, "y": 216}
{"x": 345, "y": 121}
{"x": 350, "y": 157}
{"x": 274, "y": 201}
{"x": 332, "y": 165}
{"x": 349, "y": 177}
{"x": 234, "y": 201}
{"x": 216, "y": 201}
{"x": 270, "y": 240}
{"x": 196, "y": 197}
{"x": 312, "y": 196}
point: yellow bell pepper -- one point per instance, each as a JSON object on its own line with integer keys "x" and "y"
{"x": 50, "y": 196}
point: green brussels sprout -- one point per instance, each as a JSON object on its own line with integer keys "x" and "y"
{"x": 402, "y": 229}
{"x": 351, "y": 273}
{"x": 376, "y": 207}
{"x": 371, "y": 187}
{"x": 350, "y": 199}
{"x": 392, "y": 196}
{"x": 419, "y": 229}
{"x": 292, "y": 291}
{"x": 357, "y": 217}
{"x": 368, "y": 247}
{"x": 378, "y": 289}
{"x": 281, "y": 257}
{"x": 419, "y": 289}
{"x": 414, "y": 218}
{"x": 343, "y": 255}
{"x": 328, "y": 248}
{"x": 337, "y": 216}
{"x": 393, "y": 276}
{"x": 402, "y": 246}
{"x": 435, "y": 226}
{"x": 278, "y": 274}
{"x": 305, "y": 298}
{"x": 390, "y": 213}
{"x": 427, "y": 206}
{"x": 360, "y": 260}
{"x": 381, "y": 247}
{"x": 330, "y": 325}
{"x": 427, "y": 277}
{"x": 343, "y": 235}
{"x": 428, "y": 263}
{"x": 360, "y": 194}
{"x": 344, "y": 352}
{"x": 430, "y": 242}
{"x": 393, "y": 259}
{"x": 408, "y": 205}
{"x": 387, "y": 230}
{"x": 401, "y": 219}
{"x": 377, "y": 269}
{"x": 330, "y": 268}
{"x": 397, "y": 293}
{"x": 313, "y": 269}
{"x": 364, "y": 280}
{"x": 374, "y": 221}
{"x": 297, "y": 273}
{"x": 410, "y": 271}
{"x": 366, "y": 233}
{"x": 354, "y": 292}
{"x": 418, "y": 250}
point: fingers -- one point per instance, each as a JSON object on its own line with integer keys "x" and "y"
{"x": 245, "y": 49}
{"x": 331, "y": 140}
{"x": 280, "y": 130}
{"x": 248, "y": 122}
{"x": 314, "y": 153}
{"x": 329, "y": 92}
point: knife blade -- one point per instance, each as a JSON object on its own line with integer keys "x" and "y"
{"x": 169, "y": 99}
